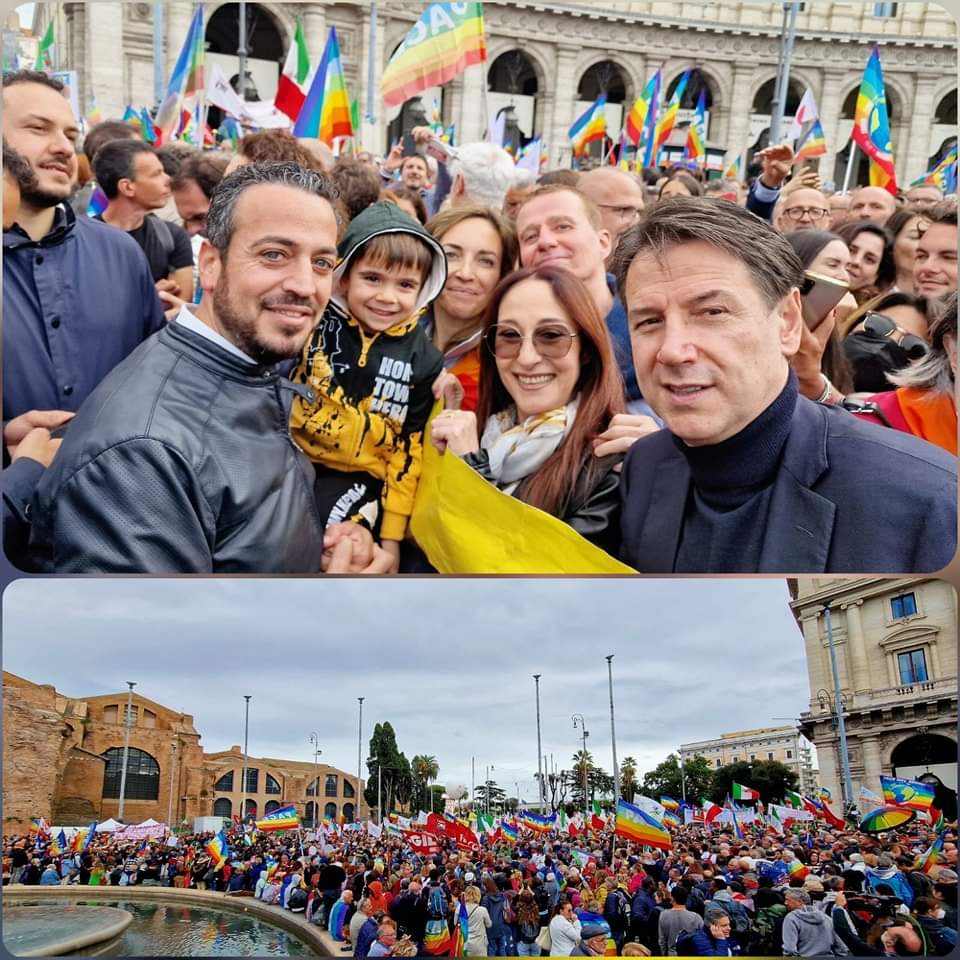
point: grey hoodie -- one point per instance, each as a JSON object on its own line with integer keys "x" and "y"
{"x": 809, "y": 933}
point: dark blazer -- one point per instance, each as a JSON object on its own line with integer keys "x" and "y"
{"x": 850, "y": 497}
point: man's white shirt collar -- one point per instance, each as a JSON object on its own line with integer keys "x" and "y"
{"x": 187, "y": 319}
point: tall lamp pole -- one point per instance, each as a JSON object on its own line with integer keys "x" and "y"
{"x": 542, "y": 792}
{"x": 242, "y": 50}
{"x": 315, "y": 740}
{"x": 359, "y": 747}
{"x": 126, "y": 747}
{"x": 613, "y": 736}
{"x": 246, "y": 732}
{"x": 584, "y": 733}
{"x": 173, "y": 754}
{"x": 841, "y": 723}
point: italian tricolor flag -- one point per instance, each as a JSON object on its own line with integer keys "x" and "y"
{"x": 293, "y": 85}
{"x": 740, "y": 792}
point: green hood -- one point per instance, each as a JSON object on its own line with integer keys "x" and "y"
{"x": 384, "y": 217}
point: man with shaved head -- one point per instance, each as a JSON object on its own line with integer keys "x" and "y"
{"x": 619, "y": 197}
{"x": 872, "y": 203}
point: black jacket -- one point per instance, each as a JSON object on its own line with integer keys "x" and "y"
{"x": 180, "y": 461}
{"x": 593, "y": 505}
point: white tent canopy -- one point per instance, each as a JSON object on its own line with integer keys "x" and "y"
{"x": 109, "y": 826}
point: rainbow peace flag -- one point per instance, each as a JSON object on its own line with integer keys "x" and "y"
{"x": 186, "y": 79}
{"x": 509, "y": 831}
{"x": 695, "y": 148}
{"x": 942, "y": 174}
{"x": 733, "y": 170}
{"x": 649, "y": 136}
{"x": 633, "y": 824}
{"x": 931, "y": 856}
{"x": 534, "y": 821}
{"x": 796, "y": 869}
{"x": 461, "y": 930}
{"x": 589, "y": 126}
{"x": 38, "y": 826}
{"x": 58, "y": 844}
{"x": 871, "y": 125}
{"x": 668, "y": 803}
{"x": 94, "y": 114}
{"x": 283, "y": 818}
{"x": 436, "y": 941}
{"x": 218, "y": 850}
{"x": 669, "y": 119}
{"x": 911, "y": 794}
{"x": 447, "y": 39}
{"x": 647, "y": 101}
{"x": 326, "y": 111}
{"x": 670, "y": 819}
{"x": 812, "y": 144}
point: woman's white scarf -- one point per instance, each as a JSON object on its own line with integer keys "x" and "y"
{"x": 516, "y": 450}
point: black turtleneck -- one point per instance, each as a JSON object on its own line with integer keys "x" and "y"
{"x": 726, "y": 514}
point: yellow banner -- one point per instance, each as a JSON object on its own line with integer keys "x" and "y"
{"x": 465, "y": 524}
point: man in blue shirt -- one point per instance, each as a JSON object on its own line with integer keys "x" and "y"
{"x": 77, "y": 295}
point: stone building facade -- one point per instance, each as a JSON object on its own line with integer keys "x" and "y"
{"x": 896, "y": 646}
{"x": 783, "y": 744}
{"x": 62, "y": 760}
{"x": 548, "y": 58}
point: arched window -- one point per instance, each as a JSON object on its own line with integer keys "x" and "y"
{"x": 330, "y": 811}
{"x": 312, "y": 788}
{"x": 604, "y": 77}
{"x": 253, "y": 780}
{"x": 330, "y": 786}
{"x": 250, "y": 808}
{"x": 271, "y": 806}
{"x": 225, "y": 783}
{"x": 348, "y": 812}
{"x": 143, "y": 775}
{"x": 222, "y": 807}
{"x": 512, "y": 72}
{"x": 348, "y": 790}
{"x": 272, "y": 785}
{"x": 310, "y": 813}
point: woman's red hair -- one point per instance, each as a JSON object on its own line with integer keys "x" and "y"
{"x": 599, "y": 385}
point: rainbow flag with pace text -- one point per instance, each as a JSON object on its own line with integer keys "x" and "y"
{"x": 669, "y": 119}
{"x": 325, "y": 113}
{"x": 695, "y": 148}
{"x": 647, "y": 101}
{"x": 634, "y": 824}
{"x": 448, "y": 38}
{"x": 534, "y": 821}
{"x": 218, "y": 850}
{"x": 284, "y": 818}
{"x": 590, "y": 125}
{"x": 912, "y": 794}
{"x": 871, "y": 126}
{"x": 186, "y": 79}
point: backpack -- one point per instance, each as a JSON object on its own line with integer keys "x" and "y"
{"x": 161, "y": 230}
{"x": 437, "y": 904}
{"x": 528, "y": 932}
{"x": 509, "y": 917}
{"x": 739, "y": 918}
{"x": 685, "y": 945}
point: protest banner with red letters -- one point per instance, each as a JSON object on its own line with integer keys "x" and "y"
{"x": 422, "y": 843}
{"x": 461, "y": 835}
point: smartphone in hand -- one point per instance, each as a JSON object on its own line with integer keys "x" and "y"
{"x": 819, "y": 295}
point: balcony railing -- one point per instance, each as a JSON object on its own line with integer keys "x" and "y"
{"x": 902, "y": 693}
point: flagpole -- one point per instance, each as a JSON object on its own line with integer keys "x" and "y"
{"x": 241, "y": 54}
{"x": 371, "y": 64}
{"x": 850, "y": 160}
{"x": 158, "y": 58}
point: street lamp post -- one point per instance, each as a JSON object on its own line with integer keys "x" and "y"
{"x": 173, "y": 753}
{"x": 779, "y": 105}
{"x": 486, "y": 784}
{"x": 246, "y": 732}
{"x": 379, "y": 764}
{"x": 841, "y": 723}
{"x": 359, "y": 748}
{"x": 315, "y": 740}
{"x": 613, "y": 736}
{"x": 584, "y": 733}
{"x": 126, "y": 747}
{"x": 543, "y": 793}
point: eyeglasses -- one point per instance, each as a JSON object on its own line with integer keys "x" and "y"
{"x": 505, "y": 343}
{"x": 880, "y": 325}
{"x": 814, "y": 213}
{"x": 621, "y": 213}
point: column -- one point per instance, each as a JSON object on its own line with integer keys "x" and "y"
{"x": 828, "y": 760}
{"x": 563, "y": 114}
{"x": 453, "y": 105}
{"x": 912, "y": 148}
{"x": 738, "y": 129}
{"x": 314, "y": 17}
{"x": 831, "y": 104}
{"x": 471, "y": 122}
{"x": 859, "y": 678}
{"x": 373, "y": 134}
{"x": 872, "y": 761}
{"x": 104, "y": 45}
{"x": 892, "y": 674}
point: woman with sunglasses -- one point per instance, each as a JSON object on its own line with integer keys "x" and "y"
{"x": 923, "y": 402}
{"x": 548, "y": 386}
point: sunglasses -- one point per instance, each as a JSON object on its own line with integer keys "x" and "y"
{"x": 552, "y": 343}
{"x": 880, "y": 325}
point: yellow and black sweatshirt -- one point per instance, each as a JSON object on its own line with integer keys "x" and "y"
{"x": 372, "y": 390}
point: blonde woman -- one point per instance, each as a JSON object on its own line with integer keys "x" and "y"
{"x": 479, "y": 922}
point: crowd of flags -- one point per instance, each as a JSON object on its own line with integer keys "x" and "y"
{"x": 445, "y": 41}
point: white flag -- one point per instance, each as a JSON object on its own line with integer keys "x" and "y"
{"x": 221, "y": 94}
{"x": 806, "y": 113}
{"x": 374, "y": 829}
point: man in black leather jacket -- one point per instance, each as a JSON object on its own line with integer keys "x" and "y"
{"x": 181, "y": 460}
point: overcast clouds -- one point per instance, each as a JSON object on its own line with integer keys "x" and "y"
{"x": 449, "y": 663}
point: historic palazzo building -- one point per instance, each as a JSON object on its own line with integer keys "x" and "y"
{"x": 895, "y": 642}
{"x": 63, "y": 758}
{"x": 548, "y": 59}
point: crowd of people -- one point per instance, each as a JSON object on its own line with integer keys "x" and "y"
{"x": 815, "y": 892}
{"x": 245, "y": 361}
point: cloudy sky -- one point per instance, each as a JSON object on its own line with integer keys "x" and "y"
{"x": 448, "y": 662}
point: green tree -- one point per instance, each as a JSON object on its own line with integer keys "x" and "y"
{"x": 435, "y": 795}
{"x": 497, "y": 796}
{"x": 770, "y": 777}
{"x": 386, "y": 760}
{"x": 628, "y": 779}
{"x": 425, "y": 770}
{"x": 666, "y": 778}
